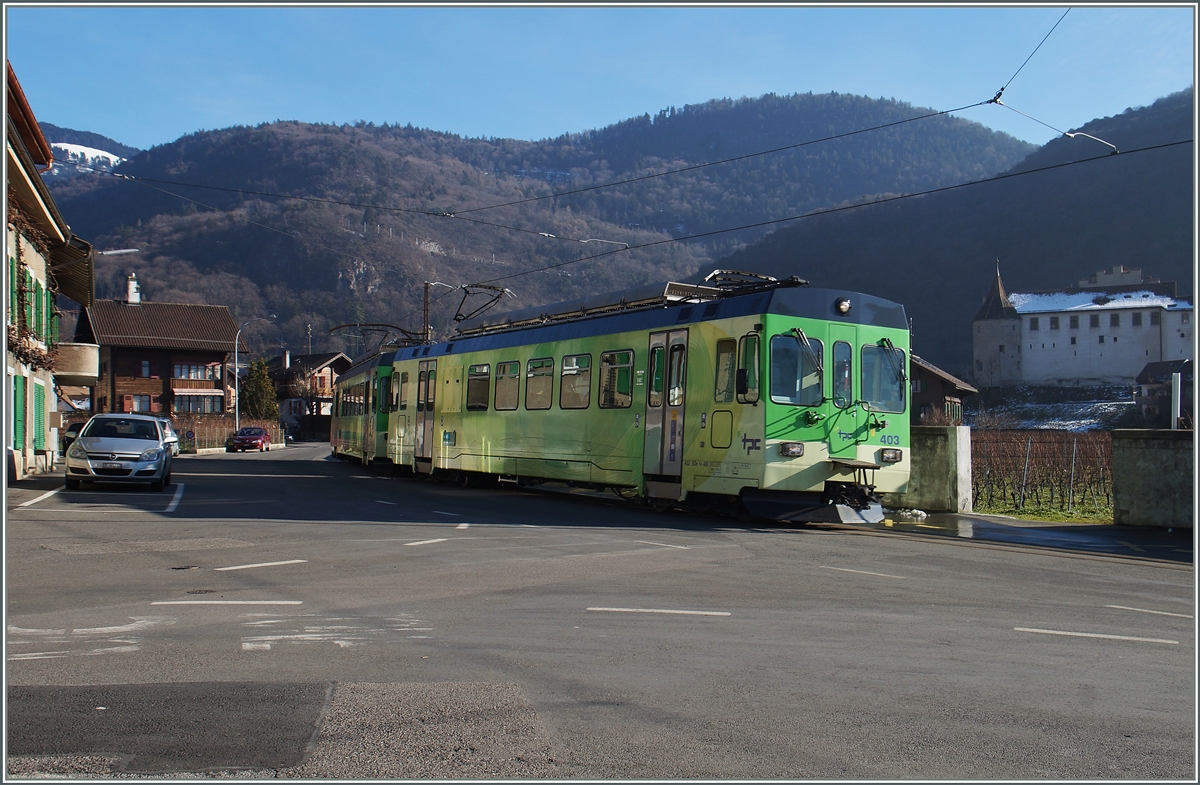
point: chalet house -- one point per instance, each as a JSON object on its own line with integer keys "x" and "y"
{"x": 160, "y": 357}
{"x": 45, "y": 260}
{"x": 936, "y": 395}
{"x": 305, "y": 379}
{"x": 1102, "y": 332}
{"x": 1152, "y": 397}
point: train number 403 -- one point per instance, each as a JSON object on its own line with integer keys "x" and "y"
{"x": 890, "y": 439}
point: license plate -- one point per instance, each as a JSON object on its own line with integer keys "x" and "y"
{"x": 112, "y": 466}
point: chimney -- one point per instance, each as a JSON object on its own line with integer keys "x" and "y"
{"x": 133, "y": 292}
{"x": 287, "y": 359}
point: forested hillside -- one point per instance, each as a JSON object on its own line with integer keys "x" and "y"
{"x": 937, "y": 254}
{"x": 358, "y": 232}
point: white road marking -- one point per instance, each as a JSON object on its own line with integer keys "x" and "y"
{"x": 139, "y": 623}
{"x": 23, "y": 631}
{"x": 661, "y": 610}
{"x": 228, "y": 602}
{"x": 1094, "y": 635}
{"x": 1143, "y": 610}
{"x": 463, "y": 526}
{"x": 32, "y": 502}
{"x": 39, "y": 655}
{"x": 864, "y": 572}
{"x": 261, "y": 564}
{"x": 663, "y": 544}
{"x": 231, "y": 474}
{"x": 381, "y": 501}
{"x": 175, "y": 502}
{"x": 426, "y": 542}
{"x": 439, "y": 512}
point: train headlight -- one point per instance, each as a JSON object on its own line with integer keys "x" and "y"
{"x": 842, "y": 305}
{"x": 791, "y": 449}
{"x": 891, "y": 455}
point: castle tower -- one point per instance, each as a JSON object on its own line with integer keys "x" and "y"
{"x": 996, "y": 339}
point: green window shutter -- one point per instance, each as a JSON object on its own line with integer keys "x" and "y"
{"x": 28, "y": 287}
{"x": 39, "y": 310}
{"x": 39, "y": 416}
{"x": 18, "y": 412}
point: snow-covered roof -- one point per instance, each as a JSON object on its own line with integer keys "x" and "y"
{"x": 1092, "y": 300}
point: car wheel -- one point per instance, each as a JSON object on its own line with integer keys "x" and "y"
{"x": 72, "y": 485}
{"x": 167, "y": 479}
{"x": 156, "y": 485}
{"x": 262, "y": 448}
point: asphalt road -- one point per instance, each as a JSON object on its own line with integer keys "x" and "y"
{"x": 286, "y": 615}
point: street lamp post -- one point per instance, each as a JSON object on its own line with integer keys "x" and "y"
{"x": 237, "y": 411}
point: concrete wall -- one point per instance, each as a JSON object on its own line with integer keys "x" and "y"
{"x": 941, "y": 471}
{"x": 1153, "y": 478}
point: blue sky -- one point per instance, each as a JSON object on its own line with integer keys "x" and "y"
{"x": 148, "y": 75}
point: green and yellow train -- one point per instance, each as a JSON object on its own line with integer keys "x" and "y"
{"x": 787, "y": 401}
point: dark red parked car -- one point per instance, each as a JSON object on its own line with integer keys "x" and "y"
{"x": 251, "y": 439}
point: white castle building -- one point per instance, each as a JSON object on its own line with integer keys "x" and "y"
{"x": 1102, "y": 332}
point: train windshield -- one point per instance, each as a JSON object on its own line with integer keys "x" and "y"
{"x": 883, "y": 378}
{"x": 796, "y": 372}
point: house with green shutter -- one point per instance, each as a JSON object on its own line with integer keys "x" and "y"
{"x": 44, "y": 260}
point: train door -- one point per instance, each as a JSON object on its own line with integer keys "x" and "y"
{"x": 848, "y": 420}
{"x": 426, "y": 393}
{"x": 383, "y": 407}
{"x": 665, "y": 391}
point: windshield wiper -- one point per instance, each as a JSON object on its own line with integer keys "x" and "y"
{"x": 802, "y": 339}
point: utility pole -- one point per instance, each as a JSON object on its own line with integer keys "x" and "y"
{"x": 310, "y": 339}
{"x": 425, "y": 318}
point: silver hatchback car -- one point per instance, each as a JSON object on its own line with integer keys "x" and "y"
{"x": 120, "y": 448}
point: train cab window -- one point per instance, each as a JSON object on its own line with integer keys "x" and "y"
{"x": 747, "y": 371}
{"x": 883, "y": 378}
{"x": 796, "y": 370}
{"x": 616, "y": 380}
{"x": 402, "y": 393}
{"x": 726, "y": 360}
{"x": 575, "y": 382}
{"x": 539, "y": 383}
{"x": 654, "y": 396}
{"x": 843, "y": 379}
{"x": 508, "y": 380}
{"x": 478, "y": 378}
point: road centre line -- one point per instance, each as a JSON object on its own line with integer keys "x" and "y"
{"x": 426, "y": 542}
{"x": 232, "y": 474}
{"x": 1143, "y": 610}
{"x": 664, "y": 545}
{"x": 175, "y": 501}
{"x": 262, "y": 564}
{"x": 439, "y": 512}
{"x": 864, "y": 572}
{"x": 32, "y": 502}
{"x": 661, "y": 610}
{"x": 228, "y": 602}
{"x": 1094, "y": 635}
{"x": 463, "y": 526}
{"x": 381, "y": 501}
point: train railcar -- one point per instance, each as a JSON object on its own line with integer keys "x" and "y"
{"x": 786, "y": 400}
{"x": 358, "y": 428}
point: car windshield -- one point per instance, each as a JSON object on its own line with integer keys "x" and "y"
{"x": 120, "y": 428}
{"x": 250, "y": 432}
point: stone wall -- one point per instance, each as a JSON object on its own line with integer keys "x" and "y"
{"x": 941, "y": 471}
{"x": 1152, "y": 478}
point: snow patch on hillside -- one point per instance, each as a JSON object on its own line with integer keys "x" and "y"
{"x": 83, "y": 158}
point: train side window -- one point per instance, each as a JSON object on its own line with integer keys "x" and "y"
{"x": 796, "y": 371}
{"x": 508, "y": 381}
{"x": 654, "y": 396}
{"x": 726, "y": 360}
{"x": 430, "y": 389}
{"x": 422, "y": 380}
{"x": 575, "y": 382}
{"x": 616, "y": 380}
{"x": 539, "y": 383}
{"x": 676, "y": 374}
{"x": 402, "y": 393}
{"x": 843, "y": 379}
{"x": 747, "y": 372}
{"x": 478, "y": 377}
{"x": 384, "y": 398}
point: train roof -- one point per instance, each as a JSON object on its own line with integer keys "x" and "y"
{"x": 660, "y": 306}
